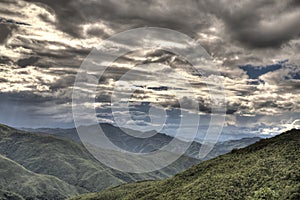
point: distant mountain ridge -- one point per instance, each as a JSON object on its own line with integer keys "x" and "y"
{"x": 144, "y": 145}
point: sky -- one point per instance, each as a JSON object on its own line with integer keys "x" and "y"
{"x": 254, "y": 44}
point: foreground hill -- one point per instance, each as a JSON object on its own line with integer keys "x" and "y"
{"x": 63, "y": 159}
{"x": 24, "y": 183}
{"x": 268, "y": 169}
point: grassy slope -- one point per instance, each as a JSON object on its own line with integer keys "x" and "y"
{"x": 268, "y": 169}
{"x": 6, "y": 195}
{"x": 21, "y": 182}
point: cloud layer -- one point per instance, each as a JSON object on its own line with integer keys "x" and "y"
{"x": 255, "y": 43}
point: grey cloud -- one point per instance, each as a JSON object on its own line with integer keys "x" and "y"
{"x": 252, "y": 31}
{"x": 34, "y": 102}
{"x": 5, "y": 60}
{"x": 10, "y": 21}
{"x": 244, "y": 20}
{"x": 256, "y": 35}
{"x": 24, "y": 97}
{"x": 240, "y": 27}
{"x": 64, "y": 82}
{"x": 259, "y": 24}
{"x": 3, "y": 80}
{"x": 39, "y": 48}
{"x": 122, "y": 15}
{"x": 32, "y": 110}
{"x": 27, "y": 61}
{"x": 97, "y": 32}
{"x": 6, "y": 31}
{"x": 44, "y": 57}
{"x": 68, "y": 17}
{"x": 103, "y": 97}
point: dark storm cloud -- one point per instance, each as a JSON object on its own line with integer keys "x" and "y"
{"x": 103, "y": 97}
{"x": 160, "y": 88}
{"x": 68, "y": 17}
{"x": 137, "y": 58}
{"x": 5, "y": 60}
{"x": 64, "y": 82}
{"x": 255, "y": 24}
{"x": 116, "y": 73}
{"x": 3, "y": 80}
{"x": 122, "y": 15}
{"x": 10, "y": 21}
{"x": 97, "y": 32}
{"x": 6, "y": 31}
{"x": 38, "y": 47}
{"x": 41, "y": 56}
{"x": 262, "y": 23}
{"x": 274, "y": 104}
{"x": 27, "y": 61}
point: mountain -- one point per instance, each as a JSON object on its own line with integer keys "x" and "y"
{"x": 60, "y": 155}
{"x": 268, "y": 169}
{"x": 69, "y": 133}
{"x": 227, "y": 146}
{"x": 26, "y": 184}
{"x": 63, "y": 159}
{"x": 144, "y": 145}
{"x": 66, "y": 161}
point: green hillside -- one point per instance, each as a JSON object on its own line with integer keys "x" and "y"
{"x": 6, "y": 195}
{"x": 21, "y": 183}
{"x": 268, "y": 169}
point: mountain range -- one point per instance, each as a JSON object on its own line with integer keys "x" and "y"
{"x": 144, "y": 145}
{"x": 55, "y": 165}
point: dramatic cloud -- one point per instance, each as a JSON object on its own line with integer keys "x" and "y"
{"x": 256, "y": 44}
